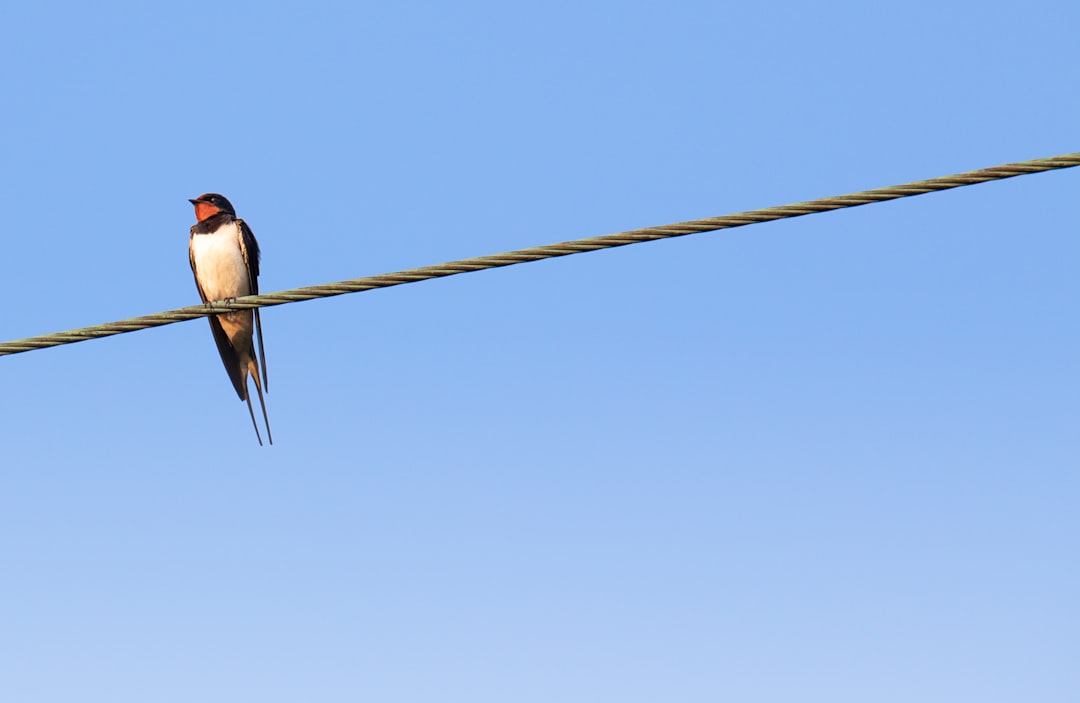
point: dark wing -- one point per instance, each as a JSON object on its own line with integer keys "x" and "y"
{"x": 229, "y": 357}
{"x": 250, "y": 247}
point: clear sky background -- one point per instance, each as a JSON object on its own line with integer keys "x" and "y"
{"x": 828, "y": 459}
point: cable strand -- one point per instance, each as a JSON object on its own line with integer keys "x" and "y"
{"x": 521, "y": 256}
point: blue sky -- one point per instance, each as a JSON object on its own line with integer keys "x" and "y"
{"x": 827, "y": 459}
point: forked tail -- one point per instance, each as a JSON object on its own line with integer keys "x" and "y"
{"x": 253, "y": 369}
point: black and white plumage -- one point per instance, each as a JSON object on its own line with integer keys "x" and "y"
{"x": 225, "y": 260}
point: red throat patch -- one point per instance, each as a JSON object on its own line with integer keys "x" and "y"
{"x": 205, "y": 210}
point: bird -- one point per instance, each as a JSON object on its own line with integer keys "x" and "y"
{"x": 225, "y": 260}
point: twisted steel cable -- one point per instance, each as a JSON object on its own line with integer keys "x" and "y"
{"x": 549, "y": 251}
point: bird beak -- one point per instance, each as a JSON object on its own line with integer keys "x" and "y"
{"x": 194, "y": 201}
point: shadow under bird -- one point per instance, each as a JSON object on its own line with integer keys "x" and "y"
{"x": 225, "y": 260}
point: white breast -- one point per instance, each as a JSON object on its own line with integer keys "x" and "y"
{"x": 219, "y": 263}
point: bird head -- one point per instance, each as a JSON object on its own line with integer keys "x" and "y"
{"x": 210, "y": 204}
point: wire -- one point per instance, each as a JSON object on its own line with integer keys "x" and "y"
{"x": 550, "y": 251}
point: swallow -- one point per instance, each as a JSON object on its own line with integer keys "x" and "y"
{"x": 225, "y": 260}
